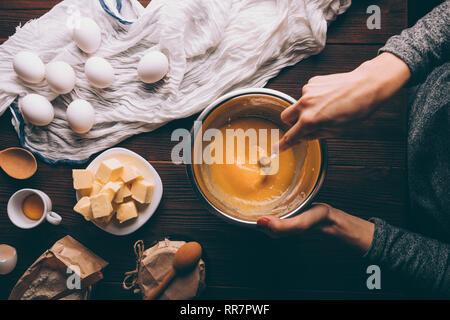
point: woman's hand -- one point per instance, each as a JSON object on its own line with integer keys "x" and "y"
{"x": 330, "y": 103}
{"x": 275, "y": 227}
{"x": 321, "y": 216}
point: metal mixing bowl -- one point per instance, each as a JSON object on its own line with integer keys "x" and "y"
{"x": 266, "y": 104}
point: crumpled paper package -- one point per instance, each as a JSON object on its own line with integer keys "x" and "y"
{"x": 65, "y": 253}
{"x": 154, "y": 265}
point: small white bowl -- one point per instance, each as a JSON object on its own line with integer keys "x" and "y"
{"x": 114, "y": 227}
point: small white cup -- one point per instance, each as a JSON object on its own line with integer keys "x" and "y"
{"x": 18, "y": 217}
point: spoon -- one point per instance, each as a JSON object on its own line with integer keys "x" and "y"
{"x": 18, "y": 163}
{"x": 184, "y": 260}
{"x": 265, "y": 162}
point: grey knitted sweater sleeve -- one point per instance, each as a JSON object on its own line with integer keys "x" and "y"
{"x": 422, "y": 261}
{"x": 425, "y": 45}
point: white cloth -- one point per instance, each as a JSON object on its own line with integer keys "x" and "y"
{"x": 213, "y": 47}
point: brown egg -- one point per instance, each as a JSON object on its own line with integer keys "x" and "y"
{"x": 187, "y": 257}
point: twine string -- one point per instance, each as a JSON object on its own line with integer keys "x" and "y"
{"x": 129, "y": 282}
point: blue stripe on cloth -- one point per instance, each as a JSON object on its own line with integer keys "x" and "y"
{"x": 19, "y": 117}
{"x": 108, "y": 11}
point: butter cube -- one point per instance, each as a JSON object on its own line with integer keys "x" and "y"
{"x": 130, "y": 173}
{"x": 101, "y": 205}
{"x": 82, "y": 179}
{"x": 111, "y": 188}
{"x": 126, "y": 211}
{"x": 142, "y": 191}
{"x": 106, "y": 220}
{"x": 83, "y": 207}
{"x": 123, "y": 193}
{"x": 96, "y": 187}
{"x": 85, "y": 192}
{"x": 109, "y": 170}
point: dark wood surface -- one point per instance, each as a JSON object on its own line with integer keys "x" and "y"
{"x": 366, "y": 177}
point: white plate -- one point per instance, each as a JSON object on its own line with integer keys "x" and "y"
{"x": 114, "y": 227}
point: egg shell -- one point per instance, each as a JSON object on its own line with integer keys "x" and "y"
{"x": 36, "y": 109}
{"x": 60, "y": 77}
{"x": 7, "y": 265}
{"x": 153, "y": 67}
{"x": 80, "y": 115}
{"x": 87, "y": 35}
{"x": 29, "y": 67}
{"x": 99, "y": 72}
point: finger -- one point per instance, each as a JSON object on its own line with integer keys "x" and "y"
{"x": 280, "y": 146}
{"x": 315, "y": 214}
{"x": 267, "y": 231}
{"x": 291, "y": 113}
{"x": 276, "y": 226}
{"x": 294, "y": 135}
{"x": 291, "y": 136}
{"x": 315, "y": 204}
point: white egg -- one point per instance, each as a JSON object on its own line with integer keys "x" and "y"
{"x": 99, "y": 72}
{"x": 8, "y": 259}
{"x": 153, "y": 67}
{"x": 80, "y": 115}
{"x": 36, "y": 109}
{"x": 60, "y": 77}
{"x": 87, "y": 35}
{"x": 29, "y": 67}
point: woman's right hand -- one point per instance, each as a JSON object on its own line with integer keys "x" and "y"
{"x": 330, "y": 103}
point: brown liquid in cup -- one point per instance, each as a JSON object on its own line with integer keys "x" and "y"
{"x": 33, "y": 207}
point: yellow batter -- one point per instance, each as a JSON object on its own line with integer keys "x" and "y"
{"x": 242, "y": 183}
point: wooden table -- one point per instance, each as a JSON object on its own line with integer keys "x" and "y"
{"x": 366, "y": 177}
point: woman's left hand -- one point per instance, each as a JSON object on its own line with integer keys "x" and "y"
{"x": 353, "y": 230}
{"x": 276, "y": 227}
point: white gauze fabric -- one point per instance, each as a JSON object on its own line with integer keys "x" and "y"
{"x": 213, "y": 47}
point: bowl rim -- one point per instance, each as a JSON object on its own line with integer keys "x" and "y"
{"x": 190, "y": 170}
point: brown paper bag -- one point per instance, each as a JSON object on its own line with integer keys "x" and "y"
{"x": 152, "y": 266}
{"x": 46, "y": 277}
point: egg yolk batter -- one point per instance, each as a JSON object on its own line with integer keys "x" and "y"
{"x": 242, "y": 183}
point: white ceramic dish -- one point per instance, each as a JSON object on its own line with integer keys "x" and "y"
{"x": 114, "y": 227}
